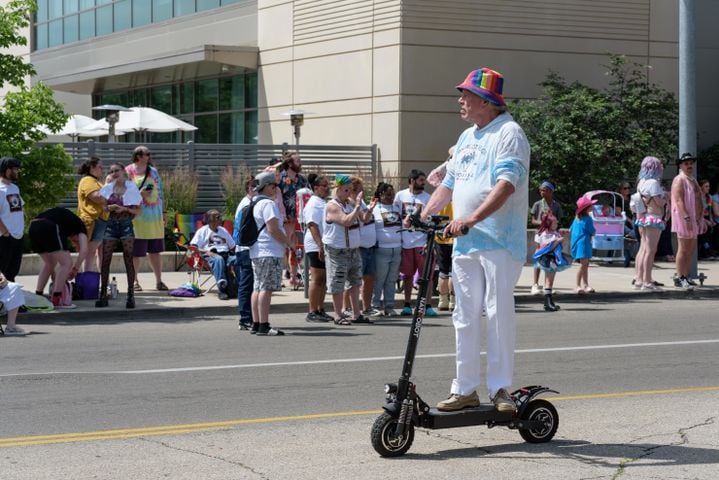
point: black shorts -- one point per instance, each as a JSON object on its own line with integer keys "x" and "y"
{"x": 444, "y": 258}
{"x": 45, "y": 236}
{"x": 314, "y": 260}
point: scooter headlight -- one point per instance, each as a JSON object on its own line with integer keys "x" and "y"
{"x": 390, "y": 388}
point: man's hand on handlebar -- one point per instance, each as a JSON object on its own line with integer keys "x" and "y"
{"x": 457, "y": 228}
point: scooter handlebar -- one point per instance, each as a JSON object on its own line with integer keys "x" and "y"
{"x": 435, "y": 223}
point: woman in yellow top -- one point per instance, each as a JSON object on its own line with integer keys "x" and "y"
{"x": 90, "y": 209}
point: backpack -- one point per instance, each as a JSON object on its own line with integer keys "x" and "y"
{"x": 636, "y": 204}
{"x": 249, "y": 232}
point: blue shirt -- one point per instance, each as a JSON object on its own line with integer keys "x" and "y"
{"x": 581, "y": 232}
{"x": 483, "y": 156}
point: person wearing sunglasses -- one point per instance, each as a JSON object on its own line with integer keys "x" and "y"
{"x": 149, "y": 224}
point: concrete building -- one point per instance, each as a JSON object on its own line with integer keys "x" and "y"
{"x": 370, "y": 71}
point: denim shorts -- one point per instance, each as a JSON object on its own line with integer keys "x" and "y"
{"x": 119, "y": 229}
{"x": 368, "y": 263}
{"x": 98, "y": 230}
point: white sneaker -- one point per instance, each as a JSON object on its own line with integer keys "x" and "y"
{"x": 536, "y": 290}
{"x": 650, "y": 287}
{"x": 390, "y": 312}
{"x": 14, "y": 332}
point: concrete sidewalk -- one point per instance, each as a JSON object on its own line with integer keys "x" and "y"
{"x": 611, "y": 282}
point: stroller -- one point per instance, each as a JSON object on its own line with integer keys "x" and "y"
{"x": 609, "y": 219}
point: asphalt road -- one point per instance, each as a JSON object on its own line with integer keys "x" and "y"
{"x": 625, "y": 371}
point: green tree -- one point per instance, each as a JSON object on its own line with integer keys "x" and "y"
{"x": 46, "y": 175}
{"x": 588, "y": 139}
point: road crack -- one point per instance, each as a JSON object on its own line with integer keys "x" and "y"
{"x": 648, "y": 451}
{"x": 207, "y": 455}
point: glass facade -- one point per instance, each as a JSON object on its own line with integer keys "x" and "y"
{"x": 224, "y": 109}
{"x": 59, "y": 22}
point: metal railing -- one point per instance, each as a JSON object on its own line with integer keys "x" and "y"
{"x": 209, "y": 160}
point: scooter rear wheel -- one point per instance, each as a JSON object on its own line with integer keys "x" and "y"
{"x": 540, "y": 411}
{"x": 385, "y": 442}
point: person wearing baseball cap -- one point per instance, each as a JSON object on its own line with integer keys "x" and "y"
{"x": 487, "y": 183}
{"x": 12, "y": 218}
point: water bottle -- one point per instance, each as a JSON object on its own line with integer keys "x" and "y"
{"x": 113, "y": 288}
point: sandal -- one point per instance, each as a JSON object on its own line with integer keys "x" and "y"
{"x": 343, "y": 321}
{"x": 161, "y": 286}
{"x": 137, "y": 287}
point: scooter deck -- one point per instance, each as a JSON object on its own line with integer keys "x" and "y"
{"x": 466, "y": 417}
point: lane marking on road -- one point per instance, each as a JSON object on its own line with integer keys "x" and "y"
{"x": 356, "y": 360}
{"x": 225, "y": 425}
{"x": 425, "y": 356}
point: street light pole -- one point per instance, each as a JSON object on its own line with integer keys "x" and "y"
{"x": 687, "y": 92}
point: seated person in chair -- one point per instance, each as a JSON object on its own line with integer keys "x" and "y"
{"x": 215, "y": 243}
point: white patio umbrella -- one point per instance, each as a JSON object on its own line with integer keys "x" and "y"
{"x": 76, "y": 126}
{"x": 144, "y": 119}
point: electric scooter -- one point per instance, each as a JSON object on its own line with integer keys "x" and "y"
{"x": 393, "y": 431}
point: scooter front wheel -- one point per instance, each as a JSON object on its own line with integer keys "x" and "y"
{"x": 544, "y": 412}
{"x": 384, "y": 440}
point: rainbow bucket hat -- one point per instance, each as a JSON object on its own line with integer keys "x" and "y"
{"x": 485, "y": 83}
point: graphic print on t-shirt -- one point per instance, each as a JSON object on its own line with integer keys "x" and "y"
{"x": 216, "y": 239}
{"x": 14, "y": 202}
{"x": 391, "y": 219}
{"x": 410, "y": 208}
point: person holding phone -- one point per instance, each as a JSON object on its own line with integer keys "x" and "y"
{"x": 149, "y": 224}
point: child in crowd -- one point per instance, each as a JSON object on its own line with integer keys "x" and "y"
{"x": 582, "y": 230}
{"x": 549, "y": 256}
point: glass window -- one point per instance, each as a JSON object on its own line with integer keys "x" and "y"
{"x": 187, "y": 97}
{"x": 161, "y": 10}
{"x": 55, "y": 9}
{"x": 161, "y": 98}
{"x": 113, "y": 98}
{"x": 86, "y": 4}
{"x": 183, "y": 7}
{"x": 104, "y": 20}
{"x": 206, "y": 96}
{"x": 71, "y": 28}
{"x": 207, "y": 4}
{"x": 87, "y": 24}
{"x": 55, "y": 33}
{"x": 232, "y": 93}
{"x": 71, "y": 6}
{"x": 123, "y": 15}
{"x": 103, "y": 2}
{"x": 41, "y": 36}
{"x": 141, "y": 13}
{"x": 251, "y": 126}
{"x": 138, "y": 98}
{"x": 228, "y": 2}
{"x": 206, "y": 128}
{"x": 41, "y": 10}
{"x": 251, "y": 90}
{"x": 232, "y": 128}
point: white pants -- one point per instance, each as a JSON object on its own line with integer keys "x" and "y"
{"x": 484, "y": 281}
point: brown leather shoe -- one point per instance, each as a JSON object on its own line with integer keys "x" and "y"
{"x": 458, "y": 402}
{"x": 503, "y": 401}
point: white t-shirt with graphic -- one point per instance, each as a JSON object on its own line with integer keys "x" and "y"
{"x": 11, "y": 213}
{"x": 409, "y": 204}
{"x": 388, "y": 221}
{"x": 220, "y": 241}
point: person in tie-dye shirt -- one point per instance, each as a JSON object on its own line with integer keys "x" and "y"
{"x": 149, "y": 225}
{"x": 487, "y": 182}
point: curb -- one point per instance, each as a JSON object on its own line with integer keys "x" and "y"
{"x": 113, "y": 314}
